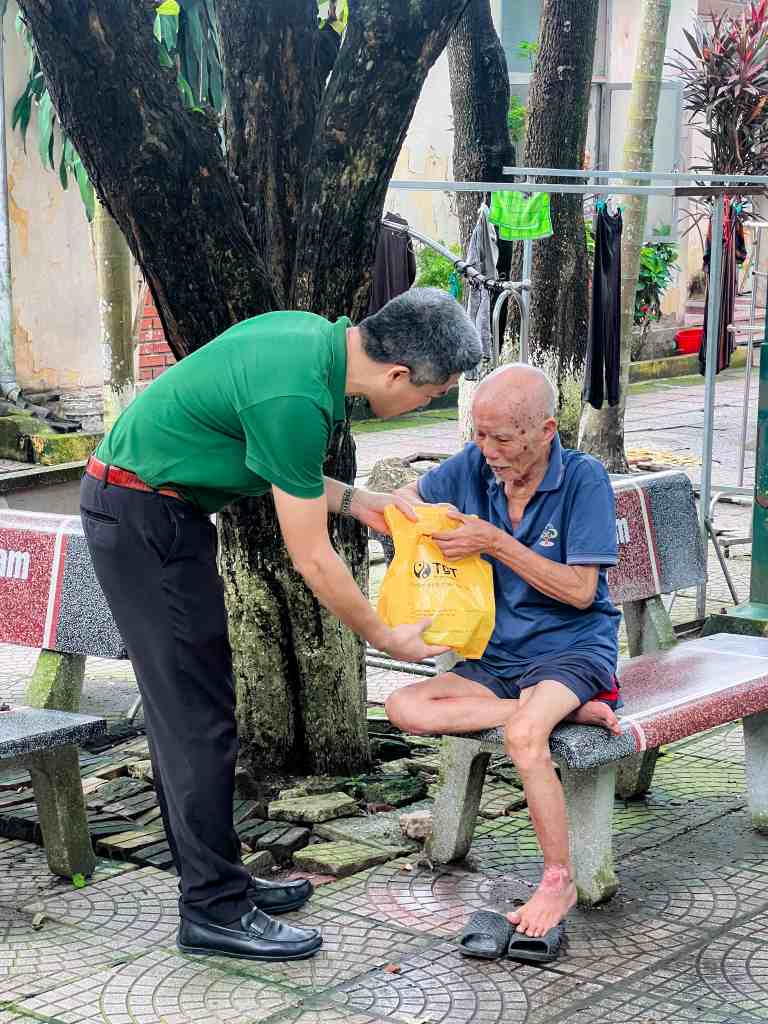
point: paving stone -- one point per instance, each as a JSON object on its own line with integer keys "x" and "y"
{"x": 259, "y": 863}
{"x": 380, "y": 830}
{"x": 339, "y": 859}
{"x": 439, "y": 985}
{"x": 161, "y": 988}
{"x": 388, "y": 748}
{"x": 310, "y": 810}
{"x": 395, "y": 790}
{"x": 351, "y": 947}
{"x": 315, "y": 784}
{"x": 24, "y": 873}
{"x": 138, "y": 907}
{"x": 499, "y": 799}
{"x": 34, "y": 960}
{"x": 286, "y": 844}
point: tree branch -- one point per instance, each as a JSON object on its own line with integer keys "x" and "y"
{"x": 389, "y": 48}
{"x": 157, "y": 167}
{"x": 272, "y": 96}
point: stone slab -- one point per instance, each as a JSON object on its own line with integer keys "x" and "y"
{"x": 379, "y": 830}
{"x": 339, "y": 859}
{"x": 27, "y": 730}
{"x": 309, "y": 810}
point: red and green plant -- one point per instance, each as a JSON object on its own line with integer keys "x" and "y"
{"x": 725, "y": 87}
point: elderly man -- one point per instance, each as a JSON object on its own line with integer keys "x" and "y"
{"x": 547, "y": 524}
{"x": 250, "y": 413}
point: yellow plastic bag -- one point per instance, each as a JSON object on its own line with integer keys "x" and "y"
{"x": 421, "y": 583}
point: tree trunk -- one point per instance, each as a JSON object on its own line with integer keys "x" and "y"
{"x": 481, "y": 145}
{"x": 480, "y": 102}
{"x": 113, "y": 282}
{"x": 558, "y": 113}
{"x": 287, "y": 212}
{"x": 602, "y": 431}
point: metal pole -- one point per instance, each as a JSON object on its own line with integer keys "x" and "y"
{"x": 750, "y": 350}
{"x": 713, "y": 330}
{"x": 8, "y": 386}
{"x": 525, "y": 319}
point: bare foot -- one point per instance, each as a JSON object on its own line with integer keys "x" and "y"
{"x": 597, "y": 712}
{"x": 548, "y": 906}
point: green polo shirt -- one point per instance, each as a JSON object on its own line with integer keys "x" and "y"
{"x": 254, "y": 407}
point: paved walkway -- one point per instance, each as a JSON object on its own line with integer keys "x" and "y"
{"x": 684, "y": 941}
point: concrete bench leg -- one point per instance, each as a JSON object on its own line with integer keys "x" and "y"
{"x": 458, "y": 800}
{"x": 57, "y": 682}
{"x": 61, "y": 809}
{"x": 756, "y": 765}
{"x": 634, "y": 774}
{"x": 589, "y": 797}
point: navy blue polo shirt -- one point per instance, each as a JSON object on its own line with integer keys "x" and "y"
{"x": 571, "y": 519}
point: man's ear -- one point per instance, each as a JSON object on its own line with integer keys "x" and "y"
{"x": 550, "y": 428}
{"x": 397, "y": 373}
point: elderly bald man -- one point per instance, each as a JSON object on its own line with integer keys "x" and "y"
{"x": 547, "y": 524}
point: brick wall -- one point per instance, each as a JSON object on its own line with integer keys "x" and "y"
{"x": 154, "y": 354}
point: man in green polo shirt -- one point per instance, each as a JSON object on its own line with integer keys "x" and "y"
{"x": 252, "y": 412}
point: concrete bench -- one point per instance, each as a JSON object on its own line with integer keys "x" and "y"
{"x": 670, "y": 691}
{"x": 51, "y": 600}
{"x": 44, "y": 742}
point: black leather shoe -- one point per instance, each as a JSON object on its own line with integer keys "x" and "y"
{"x": 279, "y": 897}
{"x": 256, "y": 937}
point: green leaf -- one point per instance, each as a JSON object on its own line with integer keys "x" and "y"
{"x": 169, "y": 7}
{"x": 186, "y": 93}
{"x": 86, "y": 188}
{"x": 45, "y": 122}
{"x": 63, "y": 172}
{"x": 22, "y": 111}
{"x": 78, "y": 881}
{"x": 157, "y": 29}
{"x": 217, "y": 97}
{"x": 164, "y": 56}
{"x": 169, "y": 28}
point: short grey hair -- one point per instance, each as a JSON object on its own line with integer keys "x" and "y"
{"x": 426, "y": 330}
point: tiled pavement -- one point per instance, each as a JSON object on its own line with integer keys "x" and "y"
{"x": 684, "y": 941}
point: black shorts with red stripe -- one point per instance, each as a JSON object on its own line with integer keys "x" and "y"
{"x": 588, "y": 679}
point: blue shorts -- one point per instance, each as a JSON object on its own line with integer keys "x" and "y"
{"x": 585, "y": 678}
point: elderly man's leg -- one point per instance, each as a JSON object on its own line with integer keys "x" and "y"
{"x": 447, "y": 703}
{"x": 527, "y": 743}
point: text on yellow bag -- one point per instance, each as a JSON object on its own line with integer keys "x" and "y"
{"x": 421, "y": 583}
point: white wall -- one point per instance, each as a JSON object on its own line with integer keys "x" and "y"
{"x": 427, "y": 154}
{"x": 55, "y": 309}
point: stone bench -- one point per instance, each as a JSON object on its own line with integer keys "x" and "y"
{"x": 44, "y": 742}
{"x": 51, "y": 600}
{"x": 670, "y": 691}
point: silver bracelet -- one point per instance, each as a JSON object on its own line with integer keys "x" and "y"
{"x": 346, "y": 501}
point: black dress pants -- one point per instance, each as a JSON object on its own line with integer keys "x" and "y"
{"x": 155, "y": 558}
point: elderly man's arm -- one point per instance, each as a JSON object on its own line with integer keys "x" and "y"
{"x": 575, "y": 585}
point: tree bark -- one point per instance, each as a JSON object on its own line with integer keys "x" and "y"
{"x": 481, "y": 145}
{"x": 480, "y": 101}
{"x": 113, "y": 281}
{"x": 602, "y": 431}
{"x": 558, "y": 113}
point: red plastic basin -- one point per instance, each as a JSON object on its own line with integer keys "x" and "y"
{"x": 688, "y": 340}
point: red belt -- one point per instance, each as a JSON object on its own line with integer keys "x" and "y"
{"x": 125, "y": 478}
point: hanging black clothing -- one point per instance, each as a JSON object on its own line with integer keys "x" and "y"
{"x": 601, "y": 373}
{"x": 503, "y": 271}
{"x": 394, "y": 269}
{"x": 734, "y": 253}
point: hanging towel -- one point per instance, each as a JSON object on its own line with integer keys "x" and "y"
{"x": 394, "y": 269}
{"x": 601, "y": 371}
{"x": 482, "y": 254}
{"x": 520, "y": 217}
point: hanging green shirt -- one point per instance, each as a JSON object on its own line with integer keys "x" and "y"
{"x": 254, "y": 407}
